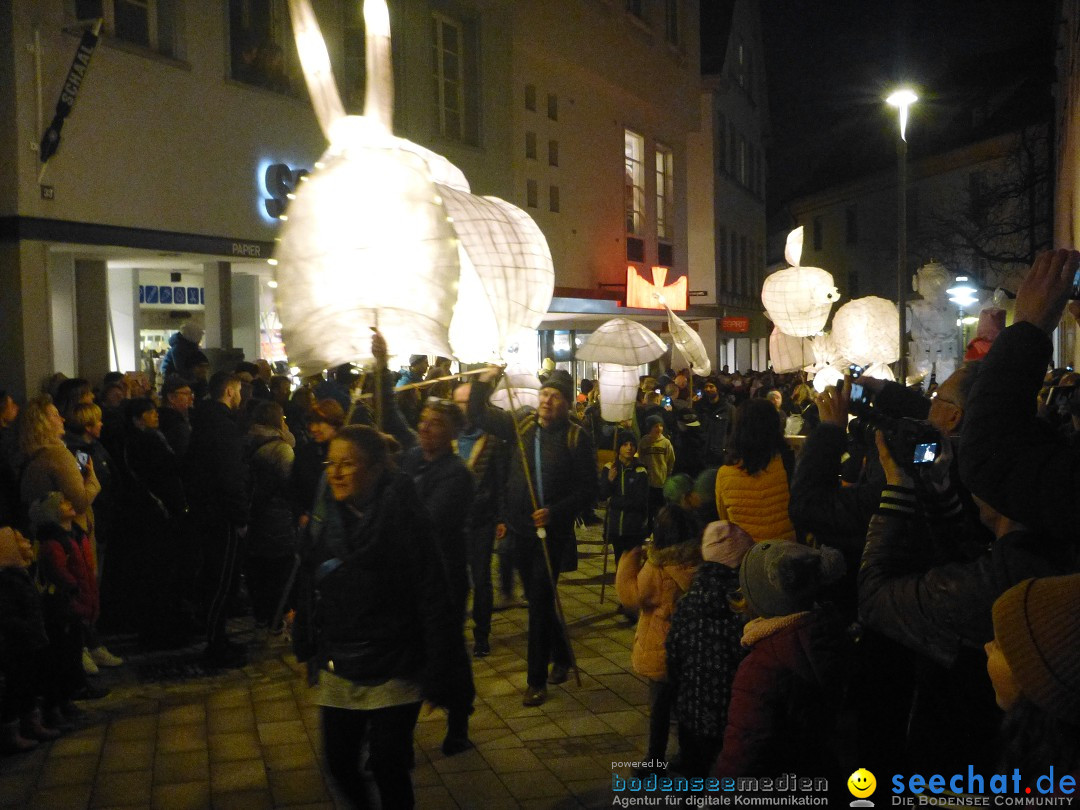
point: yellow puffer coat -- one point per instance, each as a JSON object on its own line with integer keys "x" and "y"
{"x": 756, "y": 503}
{"x": 654, "y": 586}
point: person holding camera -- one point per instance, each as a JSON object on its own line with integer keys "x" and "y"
{"x": 1009, "y": 458}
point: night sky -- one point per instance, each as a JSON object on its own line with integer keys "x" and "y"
{"x": 830, "y": 64}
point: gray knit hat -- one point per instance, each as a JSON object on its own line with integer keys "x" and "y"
{"x": 778, "y": 577}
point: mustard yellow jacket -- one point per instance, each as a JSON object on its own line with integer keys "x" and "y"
{"x": 757, "y": 503}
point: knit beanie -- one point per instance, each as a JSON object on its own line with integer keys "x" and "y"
{"x": 46, "y": 510}
{"x": 561, "y": 382}
{"x": 14, "y": 554}
{"x": 624, "y": 436}
{"x": 677, "y": 487}
{"x": 779, "y": 577}
{"x": 1037, "y": 627}
{"x": 725, "y": 543}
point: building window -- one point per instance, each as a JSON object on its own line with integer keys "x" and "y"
{"x": 671, "y": 21}
{"x": 530, "y": 193}
{"x": 740, "y": 64}
{"x": 553, "y": 153}
{"x": 852, "y": 222}
{"x": 553, "y": 199}
{"x": 665, "y": 192}
{"x": 456, "y": 78}
{"x": 744, "y": 267}
{"x": 530, "y": 97}
{"x": 734, "y": 264}
{"x": 742, "y": 164}
{"x": 530, "y": 145}
{"x": 151, "y": 24}
{"x": 665, "y": 254}
{"x": 819, "y": 233}
{"x": 634, "y": 150}
{"x": 553, "y": 107}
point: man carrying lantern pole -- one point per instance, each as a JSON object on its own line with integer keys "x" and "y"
{"x": 556, "y": 457}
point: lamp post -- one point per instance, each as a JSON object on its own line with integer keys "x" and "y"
{"x": 962, "y": 294}
{"x": 902, "y": 99}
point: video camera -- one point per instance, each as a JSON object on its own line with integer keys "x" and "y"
{"x": 910, "y": 441}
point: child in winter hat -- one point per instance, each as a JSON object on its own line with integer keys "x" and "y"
{"x": 1034, "y": 665}
{"x": 780, "y": 577}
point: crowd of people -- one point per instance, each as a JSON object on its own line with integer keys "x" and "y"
{"x": 904, "y": 594}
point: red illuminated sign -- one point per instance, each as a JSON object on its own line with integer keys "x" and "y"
{"x": 735, "y": 324}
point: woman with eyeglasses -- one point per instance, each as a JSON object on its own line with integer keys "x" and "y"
{"x": 374, "y": 619}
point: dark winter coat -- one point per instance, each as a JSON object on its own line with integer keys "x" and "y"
{"x": 372, "y": 593}
{"x": 272, "y": 531}
{"x": 785, "y": 697}
{"x": 176, "y": 428}
{"x": 445, "y": 488}
{"x": 1008, "y": 457}
{"x": 155, "y": 484}
{"x": 568, "y": 462}
{"x": 627, "y": 497}
{"x": 22, "y": 625}
{"x": 703, "y": 650}
{"x": 937, "y": 610}
{"x": 488, "y": 462}
{"x": 214, "y": 473}
{"x": 716, "y": 420}
{"x": 307, "y": 472}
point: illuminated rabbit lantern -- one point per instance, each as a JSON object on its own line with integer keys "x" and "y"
{"x": 798, "y": 299}
{"x": 386, "y": 233}
{"x": 787, "y": 353}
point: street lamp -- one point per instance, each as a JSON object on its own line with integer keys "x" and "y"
{"x": 962, "y": 294}
{"x": 902, "y": 99}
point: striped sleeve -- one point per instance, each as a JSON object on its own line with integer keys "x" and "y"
{"x": 897, "y": 501}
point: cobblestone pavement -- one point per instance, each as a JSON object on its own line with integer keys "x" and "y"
{"x": 172, "y": 736}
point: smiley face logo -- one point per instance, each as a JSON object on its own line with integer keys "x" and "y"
{"x": 861, "y": 783}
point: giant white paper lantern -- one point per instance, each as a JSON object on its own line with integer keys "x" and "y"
{"x": 385, "y": 233}
{"x": 688, "y": 342}
{"x": 524, "y": 390}
{"x": 622, "y": 341}
{"x": 618, "y": 391}
{"x": 879, "y": 371}
{"x": 507, "y": 276}
{"x": 826, "y": 376}
{"x": 787, "y": 353}
{"x": 866, "y": 331}
{"x": 825, "y": 353}
{"x": 798, "y": 299}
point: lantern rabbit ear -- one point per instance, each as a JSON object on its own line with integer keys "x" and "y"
{"x": 793, "y": 248}
{"x": 315, "y": 61}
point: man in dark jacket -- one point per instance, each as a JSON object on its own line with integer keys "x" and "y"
{"x": 445, "y": 487}
{"x": 717, "y": 415}
{"x": 1009, "y": 458}
{"x": 486, "y": 457}
{"x": 561, "y": 464}
{"x": 173, "y": 416}
{"x": 215, "y": 480}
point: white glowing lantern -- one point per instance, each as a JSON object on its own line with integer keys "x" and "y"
{"x": 688, "y": 342}
{"x": 826, "y": 376}
{"x": 507, "y": 276}
{"x": 866, "y": 331}
{"x": 618, "y": 391}
{"x": 385, "y": 234}
{"x": 825, "y": 353}
{"x": 787, "y": 353}
{"x": 524, "y": 389}
{"x": 798, "y": 299}
{"x": 622, "y": 341}
{"x": 879, "y": 371}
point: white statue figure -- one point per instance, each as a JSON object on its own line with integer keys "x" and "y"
{"x": 932, "y": 324}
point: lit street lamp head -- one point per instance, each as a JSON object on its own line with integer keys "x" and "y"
{"x": 902, "y": 99}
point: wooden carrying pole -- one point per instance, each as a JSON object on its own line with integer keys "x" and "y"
{"x": 607, "y": 519}
{"x": 541, "y": 532}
